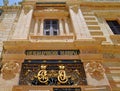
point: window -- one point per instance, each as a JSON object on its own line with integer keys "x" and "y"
{"x": 115, "y": 26}
{"x": 51, "y": 27}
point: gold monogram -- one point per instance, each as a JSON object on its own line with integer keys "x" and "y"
{"x": 42, "y": 75}
{"x": 62, "y": 78}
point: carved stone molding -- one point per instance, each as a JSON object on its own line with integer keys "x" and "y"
{"x": 27, "y": 8}
{"x": 108, "y": 55}
{"x": 51, "y": 9}
{"x": 11, "y": 8}
{"x": 9, "y": 70}
{"x": 95, "y": 70}
{"x": 107, "y": 14}
{"x": 94, "y": 51}
{"x": 75, "y": 2}
{"x": 115, "y": 39}
{"x": 74, "y": 8}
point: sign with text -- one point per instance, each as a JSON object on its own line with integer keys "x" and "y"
{"x": 39, "y": 90}
{"x": 52, "y": 52}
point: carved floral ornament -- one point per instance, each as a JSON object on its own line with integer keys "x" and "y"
{"x": 9, "y": 70}
{"x": 95, "y": 70}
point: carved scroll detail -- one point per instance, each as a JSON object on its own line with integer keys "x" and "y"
{"x": 9, "y": 70}
{"x": 95, "y": 70}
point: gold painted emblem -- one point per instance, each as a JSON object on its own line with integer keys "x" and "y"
{"x": 42, "y": 74}
{"x": 62, "y": 78}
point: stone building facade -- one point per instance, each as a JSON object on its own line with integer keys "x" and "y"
{"x": 60, "y": 45}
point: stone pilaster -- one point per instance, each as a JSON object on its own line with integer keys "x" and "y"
{"x": 79, "y": 25}
{"x": 66, "y": 26}
{"x": 83, "y": 25}
{"x": 36, "y": 27}
{"x": 105, "y": 28}
{"x": 23, "y": 25}
{"x": 74, "y": 22}
{"x": 61, "y": 27}
{"x": 41, "y": 26}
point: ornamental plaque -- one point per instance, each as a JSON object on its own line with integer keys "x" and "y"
{"x": 52, "y": 52}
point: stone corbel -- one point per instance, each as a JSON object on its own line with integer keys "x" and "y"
{"x": 74, "y": 8}
{"x": 74, "y": 5}
{"x": 75, "y": 2}
{"x": 95, "y": 70}
{"x": 27, "y": 8}
{"x": 9, "y": 70}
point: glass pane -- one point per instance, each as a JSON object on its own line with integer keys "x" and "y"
{"x": 54, "y": 21}
{"x": 115, "y": 26}
{"x": 47, "y": 21}
{"x": 118, "y": 30}
{"x": 54, "y": 32}
{"x": 47, "y": 26}
{"x": 47, "y": 32}
{"x": 51, "y": 26}
{"x": 55, "y": 27}
{"x": 109, "y": 23}
{"x": 115, "y": 23}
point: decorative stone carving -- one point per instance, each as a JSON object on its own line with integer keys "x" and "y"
{"x": 74, "y": 8}
{"x": 95, "y": 70}
{"x": 9, "y": 70}
{"x": 75, "y": 2}
{"x": 11, "y": 8}
{"x": 51, "y": 9}
{"x": 27, "y": 8}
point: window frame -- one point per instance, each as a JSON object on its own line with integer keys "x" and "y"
{"x": 53, "y": 29}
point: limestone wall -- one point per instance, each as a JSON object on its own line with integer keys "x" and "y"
{"x": 7, "y": 20}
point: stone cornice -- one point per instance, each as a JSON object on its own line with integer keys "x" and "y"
{"x": 50, "y": 12}
{"x": 10, "y": 8}
{"x": 101, "y": 5}
{"x": 115, "y": 39}
{"x": 29, "y": 2}
{"x": 107, "y": 14}
{"x": 70, "y": 2}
